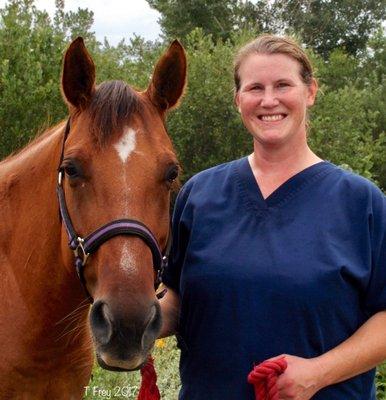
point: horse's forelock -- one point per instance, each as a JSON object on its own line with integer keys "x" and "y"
{"x": 111, "y": 108}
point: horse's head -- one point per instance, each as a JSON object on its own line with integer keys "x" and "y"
{"x": 119, "y": 163}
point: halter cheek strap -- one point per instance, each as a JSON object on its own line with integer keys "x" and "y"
{"x": 84, "y": 247}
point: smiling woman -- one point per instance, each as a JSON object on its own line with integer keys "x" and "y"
{"x": 278, "y": 255}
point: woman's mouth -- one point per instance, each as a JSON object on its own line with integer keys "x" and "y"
{"x": 272, "y": 117}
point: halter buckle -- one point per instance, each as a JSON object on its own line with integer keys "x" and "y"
{"x": 80, "y": 252}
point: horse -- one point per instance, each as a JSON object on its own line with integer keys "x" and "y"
{"x": 94, "y": 191}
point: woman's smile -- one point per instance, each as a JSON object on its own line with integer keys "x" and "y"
{"x": 271, "y": 117}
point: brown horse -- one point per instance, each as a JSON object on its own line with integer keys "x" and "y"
{"x": 118, "y": 162}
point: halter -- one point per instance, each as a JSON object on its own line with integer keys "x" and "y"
{"x": 84, "y": 247}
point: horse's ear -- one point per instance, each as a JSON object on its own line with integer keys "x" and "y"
{"x": 78, "y": 76}
{"x": 169, "y": 78}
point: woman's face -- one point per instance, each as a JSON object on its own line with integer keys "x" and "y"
{"x": 273, "y": 99}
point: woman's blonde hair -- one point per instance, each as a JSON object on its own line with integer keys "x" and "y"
{"x": 273, "y": 44}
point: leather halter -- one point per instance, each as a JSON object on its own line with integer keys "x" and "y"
{"x": 84, "y": 247}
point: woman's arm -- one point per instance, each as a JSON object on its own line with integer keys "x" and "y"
{"x": 170, "y": 309}
{"x": 364, "y": 350}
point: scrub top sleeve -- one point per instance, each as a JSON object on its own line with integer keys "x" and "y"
{"x": 376, "y": 290}
{"x": 181, "y": 223}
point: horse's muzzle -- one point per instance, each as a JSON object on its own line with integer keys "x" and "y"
{"x": 123, "y": 342}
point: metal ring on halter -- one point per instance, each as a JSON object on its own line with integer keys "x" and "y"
{"x": 82, "y": 255}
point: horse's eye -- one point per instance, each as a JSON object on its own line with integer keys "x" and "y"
{"x": 71, "y": 170}
{"x": 172, "y": 173}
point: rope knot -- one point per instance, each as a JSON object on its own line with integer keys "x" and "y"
{"x": 264, "y": 378}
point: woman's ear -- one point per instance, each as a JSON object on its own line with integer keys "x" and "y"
{"x": 236, "y": 100}
{"x": 312, "y": 92}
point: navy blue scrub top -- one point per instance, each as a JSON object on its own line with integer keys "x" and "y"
{"x": 296, "y": 273}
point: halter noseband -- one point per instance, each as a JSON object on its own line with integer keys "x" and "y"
{"x": 84, "y": 247}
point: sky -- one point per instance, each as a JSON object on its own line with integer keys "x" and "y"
{"x": 113, "y": 19}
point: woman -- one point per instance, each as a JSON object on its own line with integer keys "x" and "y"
{"x": 278, "y": 253}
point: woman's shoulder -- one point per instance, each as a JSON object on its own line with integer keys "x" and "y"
{"x": 354, "y": 187}
{"x": 213, "y": 175}
{"x": 354, "y": 180}
{"x": 209, "y": 183}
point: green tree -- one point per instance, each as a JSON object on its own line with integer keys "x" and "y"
{"x": 180, "y": 17}
{"x": 341, "y": 130}
{"x": 373, "y": 80}
{"x": 31, "y": 47}
{"x": 28, "y": 94}
{"x": 219, "y": 18}
{"x": 325, "y": 25}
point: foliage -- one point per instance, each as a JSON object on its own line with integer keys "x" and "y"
{"x": 28, "y": 46}
{"x": 324, "y": 25}
{"x": 218, "y": 18}
{"x": 180, "y": 17}
{"x": 341, "y": 130}
{"x": 380, "y": 382}
{"x": 31, "y": 47}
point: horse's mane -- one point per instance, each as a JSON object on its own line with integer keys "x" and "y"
{"x": 111, "y": 107}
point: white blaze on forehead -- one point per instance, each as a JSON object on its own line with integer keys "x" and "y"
{"x": 124, "y": 147}
{"x": 126, "y": 144}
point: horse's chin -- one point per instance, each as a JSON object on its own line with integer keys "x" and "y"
{"x": 121, "y": 368}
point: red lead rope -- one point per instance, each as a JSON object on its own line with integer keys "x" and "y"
{"x": 264, "y": 377}
{"x": 149, "y": 389}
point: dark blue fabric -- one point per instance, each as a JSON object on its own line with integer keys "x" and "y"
{"x": 296, "y": 273}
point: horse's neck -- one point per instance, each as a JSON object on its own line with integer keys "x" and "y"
{"x": 37, "y": 289}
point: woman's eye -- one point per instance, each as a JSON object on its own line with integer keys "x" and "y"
{"x": 283, "y": 85}
{"x": 172, "y": 173}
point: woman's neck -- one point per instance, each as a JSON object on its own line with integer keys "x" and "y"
{"x": 282, "y": 160}
{"x": 272, "y": 166}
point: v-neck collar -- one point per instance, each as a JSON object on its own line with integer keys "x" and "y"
{"x": 252, "y": 193}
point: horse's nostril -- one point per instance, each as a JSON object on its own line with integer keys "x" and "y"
{"x": 155, "y": 323}
{"x": 153, "y": 327}
{"x": 101, "y": 323}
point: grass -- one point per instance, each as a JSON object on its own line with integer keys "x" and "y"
{"x": 124, "y": 386}
{"x": 380, "y": 382}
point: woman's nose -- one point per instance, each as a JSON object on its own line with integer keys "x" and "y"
{"x": 269, "y": 99}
